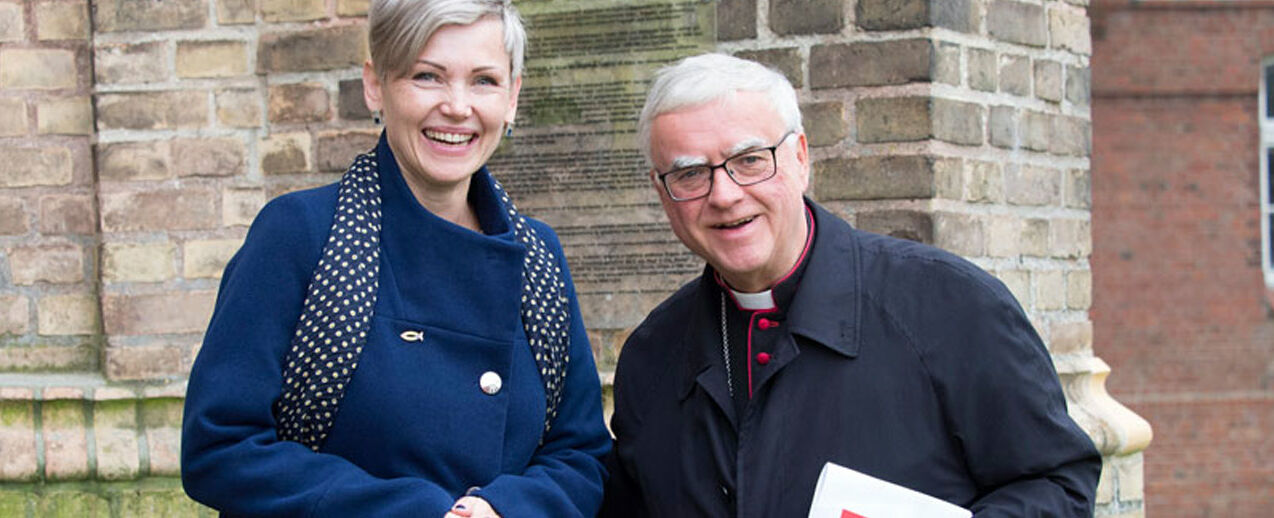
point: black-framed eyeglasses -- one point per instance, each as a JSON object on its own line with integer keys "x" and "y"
{"x": 747, "y": 168}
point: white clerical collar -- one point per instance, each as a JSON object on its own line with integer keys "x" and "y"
{"x": 754, "y": 301}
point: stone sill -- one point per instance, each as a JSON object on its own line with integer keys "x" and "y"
{"x": 84, "y": 386}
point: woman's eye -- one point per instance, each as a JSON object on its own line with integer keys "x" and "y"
{"x": 487, "y": 81}
{"x": 425, "y": 76}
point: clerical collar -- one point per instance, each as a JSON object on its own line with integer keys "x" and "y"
{"x": 754, "y": 301}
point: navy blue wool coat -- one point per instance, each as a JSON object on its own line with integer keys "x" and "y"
{"x": 894, "y": 358}
{"x": 414, "y": 430}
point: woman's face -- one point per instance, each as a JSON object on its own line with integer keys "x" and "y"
{"x": 444, "y": 117}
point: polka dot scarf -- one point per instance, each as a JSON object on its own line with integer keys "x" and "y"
{"x": 337, "y": 313}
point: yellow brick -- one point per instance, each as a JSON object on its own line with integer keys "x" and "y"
{"x": 240, "y": 206}
{"x": 27, "y": 167}
{"x": 61, "y": 21}
{"x": 115, "y": 430}
{"x": 208, "y": 258}
{"x": 129, "y": 262}
{"x": 12, "y": 25}
{"x": 70, "y": 116}
{"x": 14, "y": 314}
{"x": 293, "y": 10}
{"x": 74, "y": 314}
{"x": 212, "y": 58}
{"x": 239, "y": 108}
{"x": 37, "y": 68}
{"x": 284, "y": 153}
{"x": 352, "y": 7}
{"x": 13, "y": 117}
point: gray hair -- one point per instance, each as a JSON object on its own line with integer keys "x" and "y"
{"x": 398, "y": 29}
{"x": 705, "y": 78}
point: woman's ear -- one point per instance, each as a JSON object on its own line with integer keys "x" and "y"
{"x": 371, "y": 87}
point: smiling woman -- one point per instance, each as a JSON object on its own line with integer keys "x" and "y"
{"x": 403, "y": 342}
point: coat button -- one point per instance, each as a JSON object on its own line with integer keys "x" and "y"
{"x": 766, "y": 323}
{"x": 490, "y": 383}
{"x": 763, "y": 358}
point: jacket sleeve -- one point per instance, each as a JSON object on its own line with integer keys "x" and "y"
{"x": 232, "y": 459}
{"x": 1004, "y": 404}
{"x": 565, "y": 477}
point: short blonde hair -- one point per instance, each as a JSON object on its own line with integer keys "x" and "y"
{"x": 399, "y": 29}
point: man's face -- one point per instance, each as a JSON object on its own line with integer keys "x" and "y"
{"x": 751, "y": 235}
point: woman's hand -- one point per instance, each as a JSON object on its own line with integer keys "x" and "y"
{"x": 471, "y": 507}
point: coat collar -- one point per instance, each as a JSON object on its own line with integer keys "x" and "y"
{"x": 825, "y": 309}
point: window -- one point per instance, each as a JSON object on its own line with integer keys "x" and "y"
{"x": 1267, "y": 170}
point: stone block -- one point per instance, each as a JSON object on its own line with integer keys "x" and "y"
{"x": 957, "y": 122}
{"x": 67, "y": 214}
{"x": 1106, "y": 483}
{"x": 957, "y": 15}
{"x": 71, "y": 314}
{"x": 1078, "y": 81}
{"x": 153, "y": 110}
{"x": 961, "y": 234}
{"x": 826, "y": 123}
{"x": 352, "y": 7}
{"x": 1015, "y": 75}
{"x": 73, "y": 503}
{"x": 1037, "y": 130}
{"x": 115, "y": 432}
{"x": 121, "y": 63}
{"x": 236, "y": 12}
{"x": 1017, "y": 22}
{"x": 162, "y": 420}
{"x": 12, "y": 22}
{"x": 17, "y": 439}
{"x": 983, "y": 70}
{"x": 51, "y": 358}
{"x": 160, "y": 503}
{"x": 948, "y": 178}
{"x": 1077, "y": 189}
{"x": 904, "y": 224}
{"x": 1069, "y": 30}
{"x": 38, "y": 68}
{"x": 298, "y": 103}
{"x": 894, "y": 119}
{"x": 138, "y": 262}
{"x": 350, "y": 104}
{"x": 65, "y": 439}
{"x": 871, "y": 63}
{"x": 68, "y": 116}
{"x": 1079, "y": 290}
{"x": 189, "y": 208}
{"x": 15, "y": 314}
{"x": 312, "y": 50}
{"x": 736, "y": 20}
{"x": 133, "y": 161}
{"x": 1050, "y": 290}
{"x": 1003, "y": 232}
{"x": 1131, "y": 470}
{"x": 13, "y": 217}
{"x": 1071, "y": 238}
{"x": 240, "y": 206}
{"x": 1070, "y": 337}
{"x": 239, "y": 108}
{"x": 200, "y": 59}
{"x": 61, "y": 21}
{"x": 275, "y": 11}
{"x": 208, "y": 156}
{"x": 285, "y": 153}
{"x": 337, "y": 150}
{"x": 1004, "y": 127}
{"x": 946, "y": 68}
{"x": 891, "y": 15}
{"x": 1071, "y": 136}
{"x": 35, "y": 166}
{"x": 875, "y": 178}
{"x": 59, "y": 263}
{"x": 132, "y": 15}
{"x": 145, "y": 362}
{"x": 1048, "y": 80}
{"x": 984, "y": 182}
{"x": 13, "y": 117}
{"x": 1032, "y": 185}
{"x": 157, "y": 313}
{"x": 799, "y": 17}
{"x": 208, "y": 258}
{"x": 785, "y": 60}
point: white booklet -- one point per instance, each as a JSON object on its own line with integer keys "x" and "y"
{"x": 844, "y": 493}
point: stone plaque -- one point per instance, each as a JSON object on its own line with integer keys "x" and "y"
{"x": 573, "y": 161}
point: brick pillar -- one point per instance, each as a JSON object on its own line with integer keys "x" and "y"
{"x": 964, "y": 124}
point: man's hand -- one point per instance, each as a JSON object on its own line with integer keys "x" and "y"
{"x": 471, "y": 507}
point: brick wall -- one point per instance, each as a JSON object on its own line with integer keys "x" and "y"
{"x": 1180, "y": 307}
{"x": 146, "y": 145}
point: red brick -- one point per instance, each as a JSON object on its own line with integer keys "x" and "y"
{"x": 167, "y": 209}
{"x": 172, "y": 312}
{"x": 67, "y": 214}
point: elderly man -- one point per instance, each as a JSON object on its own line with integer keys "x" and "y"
{"x": 807, "y": 341}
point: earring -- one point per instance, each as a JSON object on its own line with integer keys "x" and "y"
{"x": 508, "y": 128}
{"x": 376, "y": 118}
